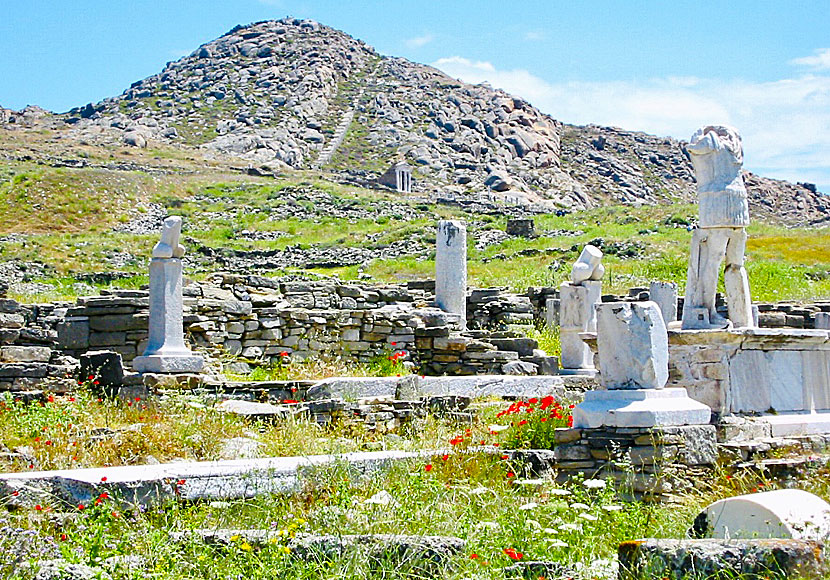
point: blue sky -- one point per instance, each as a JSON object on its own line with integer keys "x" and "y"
{"x": 664, "y": 67}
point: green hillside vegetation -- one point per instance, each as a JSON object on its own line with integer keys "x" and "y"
{"x": 69, "y": 215}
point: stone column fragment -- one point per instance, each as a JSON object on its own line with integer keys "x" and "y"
{"x": 451, "y": 268}
{"x": 665, "y": 295}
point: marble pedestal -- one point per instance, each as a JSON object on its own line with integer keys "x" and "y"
{"x": 166, "y": 351}
{"x": 639, "y": 408}
{"x": 577, "y": 314}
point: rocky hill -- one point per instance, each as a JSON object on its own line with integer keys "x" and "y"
{"x": 298, "y": 94}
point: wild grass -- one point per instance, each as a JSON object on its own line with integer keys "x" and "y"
{"x": 783, "y": 264}
{"x": 460, "y": 490}
{"x": 479, "y": 497}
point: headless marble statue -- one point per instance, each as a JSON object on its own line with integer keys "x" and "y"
{"x": 717, "y": 156}
{"x": 168, "y": 246}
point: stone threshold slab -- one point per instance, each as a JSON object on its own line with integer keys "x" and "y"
{"x": 793, "y": 424}
{"x": 146, "y": 485}
{"x": 470, "y": 386}
{"x": 755, "y": 338}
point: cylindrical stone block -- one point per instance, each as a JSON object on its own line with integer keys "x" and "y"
{"x": 451, "y": 268}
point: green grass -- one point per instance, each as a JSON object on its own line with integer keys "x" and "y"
{"x": 460, "y": 492}
{"x": 783, "y": 264}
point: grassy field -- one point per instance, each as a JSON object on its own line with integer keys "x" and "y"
{"x": 479, "y": 497}
{"x": 68, "y": 216}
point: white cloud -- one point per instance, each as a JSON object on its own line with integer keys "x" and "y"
{"x": 820, "y": 60}
{"x": 534, "y": 35}
{"x": 785, "y": 124}
{"x": 419, "y": 41}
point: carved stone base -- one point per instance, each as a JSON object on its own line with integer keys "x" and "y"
{"x": 169, "y": 364}
{"x": 639, "y": 408}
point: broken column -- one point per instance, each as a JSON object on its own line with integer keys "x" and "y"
{"x": 577, "y": 311}
{"x": 783, "y": 513}
{"x": 633, "y": 348}
{"x": 451, "y": 268}
{"x": 166, "y": 351}
{"x": 665, "y": 295}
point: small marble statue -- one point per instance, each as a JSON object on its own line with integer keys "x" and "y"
{"x": 166, "y": 350}
{"x": 588, "y": 266}
{"x": 717, "y": 156}
{"x": 168, "y": 246}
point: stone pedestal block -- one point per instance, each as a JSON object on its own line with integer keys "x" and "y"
{"x": 639, "y": 408}
{"x": 823, "y": 320}
{"x": 451, "y": 268}
{"x": 166, "y": 351}
{"x": 577, "y": 314}
{"x": 633, "y": 345}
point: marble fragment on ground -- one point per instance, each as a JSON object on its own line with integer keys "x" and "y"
{"x": 147, "y": 485}
{"x": 783, "y": 513}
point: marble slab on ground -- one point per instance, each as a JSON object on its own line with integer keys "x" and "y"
{"x": 153, "y": 484}
{"x": 471, "y": 386}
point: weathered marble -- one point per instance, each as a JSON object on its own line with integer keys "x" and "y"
{"x": 665, "y": 295}
{"x": 588, "y": 266}
{"x": 754, "y": 370}
{"x": 166, "y": 351}
{"x": 451, "y": 268}
{"x": 639, "y": 408}
{"x": 783, "y": 513}
{"x": 717, "y": 157}
{"x": 577, "y": 314}
{"x": 633, "y": 345}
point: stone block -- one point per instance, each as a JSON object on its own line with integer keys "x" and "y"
{"x": 73, "y": 333}
{"x": 107, "y": 338}
{"x": 33, "y": 370}
{"x": 118, "y": 322}
{"x": 783, "y": 513}
{"x": 639, "y": 408}
{"x": 633, "y": 345}
{"x": 664, "y": 294}
{"x": 9, "y": 335}
{"x": 105, "y": 365}
{"x": 25, "y": 353}
{"x": 709, "y": 558}
{"x": 11, "y": 320}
